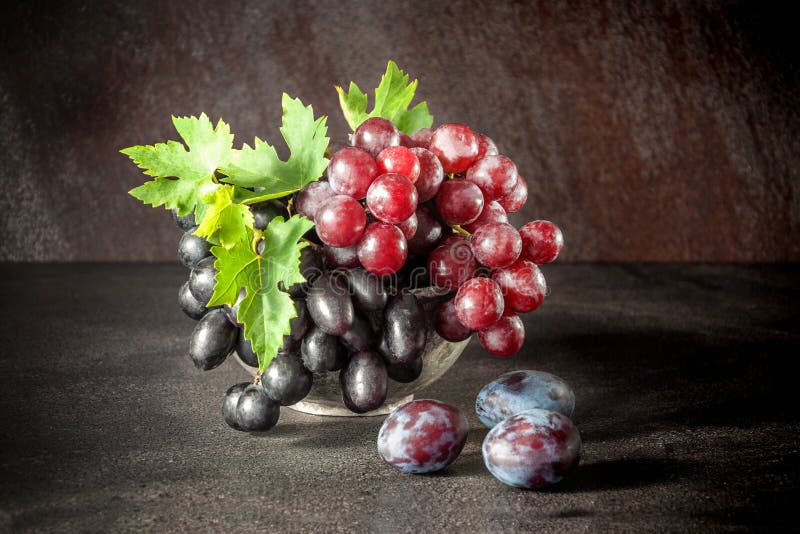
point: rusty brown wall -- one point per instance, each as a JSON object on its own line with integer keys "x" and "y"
{"x": 647, "y": 130}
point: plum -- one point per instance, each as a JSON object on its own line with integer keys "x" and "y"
{"x": 518, "y": 391}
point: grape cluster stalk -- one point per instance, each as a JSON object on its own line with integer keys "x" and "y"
{"x": 393, "y": 214}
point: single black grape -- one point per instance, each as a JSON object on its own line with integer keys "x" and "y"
{"x": 245, "y": 351}
{"x": 330, "y": 306}
{"x": 311, "y": 269}
{"x": 229, "y": 402}
{"x": 185, "y": 222}
{"x": 286, "y": 381}
{"x": 201, "y": 281}
{"x": 255, "y": 412}
{"x": 405, "y": 372}
{"x": 361, "y": 336}
{"x": 212, "y": 340}
{"x": 320, "y": 351}
{"x": 404, "y": 328}
{"x": 368, "y": 292}
{"x": 302, "y": 322}
{"x": 264, "y": 212}
{"x": 364, "y": 382}
{"x": 192, "y": 249}
{"x": 189, "y": 304}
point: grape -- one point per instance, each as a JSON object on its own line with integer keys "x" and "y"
{"x": 404, "y": 328}
{"x": 375, "y": 134}
{"x": 264, "y": 212}
{"x": 201, "y": 281}
{"x": 456, "y": 146}
{"x": 320, "y": 351}
{"x": 496, "y": 244}
{"x": 255, "y": 412}
{"x": 184, "y": 222}
{"x": 486, "y": 147}
{"x": 392, "y": 198}
{"x": 192, "y": 249}
{"x": 364, "y": 382}
{"x": 532, "y": 449}
{"x": 398, "y": 160}
{"x": 542, "y": 241}
{"x": 189, "y": 304}
{"x": 446, "y": 323}
{"x": 406, "y": 141}
{"x": 405, "y": 372}
{"x": 513, "y": 201}
{"x": 431, "y": 174}
{"x": 212, "y": 340}
{"x": 451, "y": 264}
{"x": 492, "y": 212}
{"x": 360, "y": 337}
{"x": 518, "y": 391}
{"x": 229, "y": 402}
{"x": 340, "y": 221}
{"x": 459, "y": 201}
{"x": 522, "y": 284}
{"x": 495, "y": 175}
{"x": 382, "y": 249}
{"x": 300, "y": 324}
{"x": 423, "y": 436}
{"x": 351, "y": 171}
{"x": 422, "y": 137}
{"x": 367, "y": 291}
{"x": 308, "y": 200}
{"x": 504, "y": 337}
{"x": 409, "y": 226}
{"x": 245, "y": 351}
{"x": 233, "y": 311}
{"x": 310, "y": 267}
{"x": 478, "y": 303}
{"x": 345, "y": 257}
{"x": 286, "y": 381}
{"x": 428, "y": 234}
{"x": 330, "y": 306}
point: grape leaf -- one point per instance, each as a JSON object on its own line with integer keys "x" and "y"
{"x": 392, "y": 98}
{"x": 265, "y": 311}
{"x": 182, "y": 177}
{"x": 223, "y": 219}
{"x": 261, "y": 167}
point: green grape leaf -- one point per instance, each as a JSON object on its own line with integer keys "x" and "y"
{"x": 223, "y": 219}
{"x": 260, "y": 166}
{"x": 182, "y": 177}
{"x": 392, "y": 98}
{"x": 265, "y": 311}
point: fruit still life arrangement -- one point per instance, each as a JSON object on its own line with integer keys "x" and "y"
{"x": 349, "y": 262}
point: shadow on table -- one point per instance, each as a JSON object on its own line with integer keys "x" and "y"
{"x": 623, "y": 473}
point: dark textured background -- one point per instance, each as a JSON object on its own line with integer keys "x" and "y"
{"x": 649, "y": 131}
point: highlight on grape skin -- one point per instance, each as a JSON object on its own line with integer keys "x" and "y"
{"x": 423, "y": 436}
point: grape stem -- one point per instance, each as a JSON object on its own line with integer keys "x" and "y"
{"x": 460, "y": 230}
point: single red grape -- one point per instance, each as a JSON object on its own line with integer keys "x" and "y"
{"x": 504, "y": 337}
{"x": 375, "y": 134}
{"x": 392, "y": 198}
{"x": 422, "y": 137}
{"x": 522, "y": 284}
{"x": 344, "y": 257}
{"x": 431, "y": 174}
{"x": 446, "y": 323}
{"x": 479, "y": 303}
{"x": 516, "y": 198}
{"x": 340, "y": 221}
{"x": 451, "y": 264}
{"x": 542, "y": 241}
{"x": 351, "y": 171}
{"x": 496, "y": 244}
{"x": 409, "y": 226}
{"x": 459, "y": 201}
{"x": 406, "y": 141}
{"x": 456, "y": 146}
{"x": 492, "y": 212}
{"x": 486, "y": 147}
{"x": 399, "y": 160}
{"x": 308, "y": 200}
{"x": 382, "y": 249}
{"x": 495, "y": 175}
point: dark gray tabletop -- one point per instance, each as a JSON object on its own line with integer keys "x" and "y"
{"x": 685, "y": 400}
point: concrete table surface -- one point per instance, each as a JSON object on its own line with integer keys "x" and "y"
{"x": 686, "y": 401}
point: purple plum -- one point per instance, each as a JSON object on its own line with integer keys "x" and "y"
{"x": 515, "y": 392}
